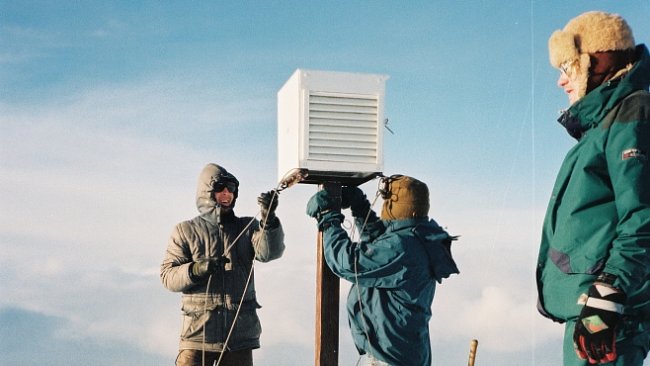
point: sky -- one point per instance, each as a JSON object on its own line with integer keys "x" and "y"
{"x": 110, "y": 109}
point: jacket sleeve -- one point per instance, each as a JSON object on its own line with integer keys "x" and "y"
{"x": 377, "y": 263}
{"x": 268, "y": 243}
{"x": 627, "y": 154}
{"x": 370, "y": 225}
{"x": 174, "y": 270}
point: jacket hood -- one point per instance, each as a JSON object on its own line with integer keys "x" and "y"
{"x": 205, "y": 202}
{"x": 405, "y": 197}
{"x": 436, "y": 242}
{"x": 592, "y": 108}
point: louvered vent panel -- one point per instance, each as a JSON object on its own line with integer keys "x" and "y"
{"x": 343, "y": 127}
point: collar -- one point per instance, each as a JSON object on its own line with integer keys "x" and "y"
{"x": 394, "y": 225}
{"x": 589, "y": 111}
{"x": 216, "y": 217}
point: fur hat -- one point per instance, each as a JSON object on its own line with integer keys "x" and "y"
{"x": 405, "y": 198}
{"x": 588, "y": 33}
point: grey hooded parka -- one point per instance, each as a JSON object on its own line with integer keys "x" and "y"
{"x": 208, "y": 314}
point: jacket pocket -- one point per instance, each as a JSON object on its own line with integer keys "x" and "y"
{"x": 193, "y": 324}
{"x": 575, "y": 264}
{"x": 247, "y": 326}
{"x": 200, "y": 312}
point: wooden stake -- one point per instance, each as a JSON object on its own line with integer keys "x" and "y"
{"x": 472, "y": 352}
{"x": 327, "y": 299}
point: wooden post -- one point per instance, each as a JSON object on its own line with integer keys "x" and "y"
{"x": 472, "y": 352}
{"x": 327, "y": 299}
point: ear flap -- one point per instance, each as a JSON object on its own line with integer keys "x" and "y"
{"x": 562, "y": 48}
{"x": 582, "y": 75}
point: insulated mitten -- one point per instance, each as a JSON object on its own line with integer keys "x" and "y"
{"x": 268, "y": 202}
{"x": 320, "y": 207}
{"x": 594, "y": 337}
{"x": 355, "y": 199}
{"x": 319, "y": 203}
{"x": 204, "y": 267}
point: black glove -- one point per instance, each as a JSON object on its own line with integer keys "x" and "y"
{"x": 204, "y": 267}
{"x": 355, "y": 199}
{"x": 594, "y": 337}
{"x": 320, "y": 207}
{"x": 268, "y": 202}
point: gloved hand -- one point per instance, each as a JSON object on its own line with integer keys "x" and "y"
{"x": 268, "y": 202}
{"x": 320, "y": 207}
{"x": 355, "y": 199}
{"x": 594, "y": 337}
{"x": 319, "y": 203}
{"x": 204, "y": 267}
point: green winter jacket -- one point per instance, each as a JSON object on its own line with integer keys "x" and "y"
{"x": 214, "y": 309}
{"x": 598, "y": 217}
{"x": 394, "y": 269}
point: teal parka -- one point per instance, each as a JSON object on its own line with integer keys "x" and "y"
{"x": 393, "y": 270}
{"x": 598, "y": 217}
{"x": 209, "y": 313}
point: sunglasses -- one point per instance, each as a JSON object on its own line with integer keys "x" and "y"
{"x": 568, "y": 68}
{"x": 220, "y": 186}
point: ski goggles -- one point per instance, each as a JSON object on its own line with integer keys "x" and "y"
{"x": 220, "y": 186}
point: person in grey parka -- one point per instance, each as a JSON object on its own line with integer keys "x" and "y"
{"x": 210, "y": 260}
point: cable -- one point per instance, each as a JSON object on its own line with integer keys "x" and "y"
{"x": 289, "y": 179}
{"x": 292, "y": 177}
{"x": 248, "y": 280}
{"x": 356, "y": 274}
{"x": 205, "y": 310}
{"x": 234, "y": 321}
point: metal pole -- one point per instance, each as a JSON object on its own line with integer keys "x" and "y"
{"x": 327, "y": 299}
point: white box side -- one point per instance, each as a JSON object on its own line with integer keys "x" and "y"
{"x": 288, "y": 126}
{"x": 293, "y": 118}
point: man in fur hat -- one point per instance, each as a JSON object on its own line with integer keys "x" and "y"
{"x": 593, "y": 270}
{"x": 393, "y": 268}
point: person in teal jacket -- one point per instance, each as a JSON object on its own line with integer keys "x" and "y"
{"x": 593, "y": 270}
{"x": 393, "y": 268}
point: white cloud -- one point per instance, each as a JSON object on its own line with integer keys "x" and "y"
{"x": 89, "y": 199}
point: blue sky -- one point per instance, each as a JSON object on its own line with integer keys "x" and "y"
{"x": 109, "y": 110}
